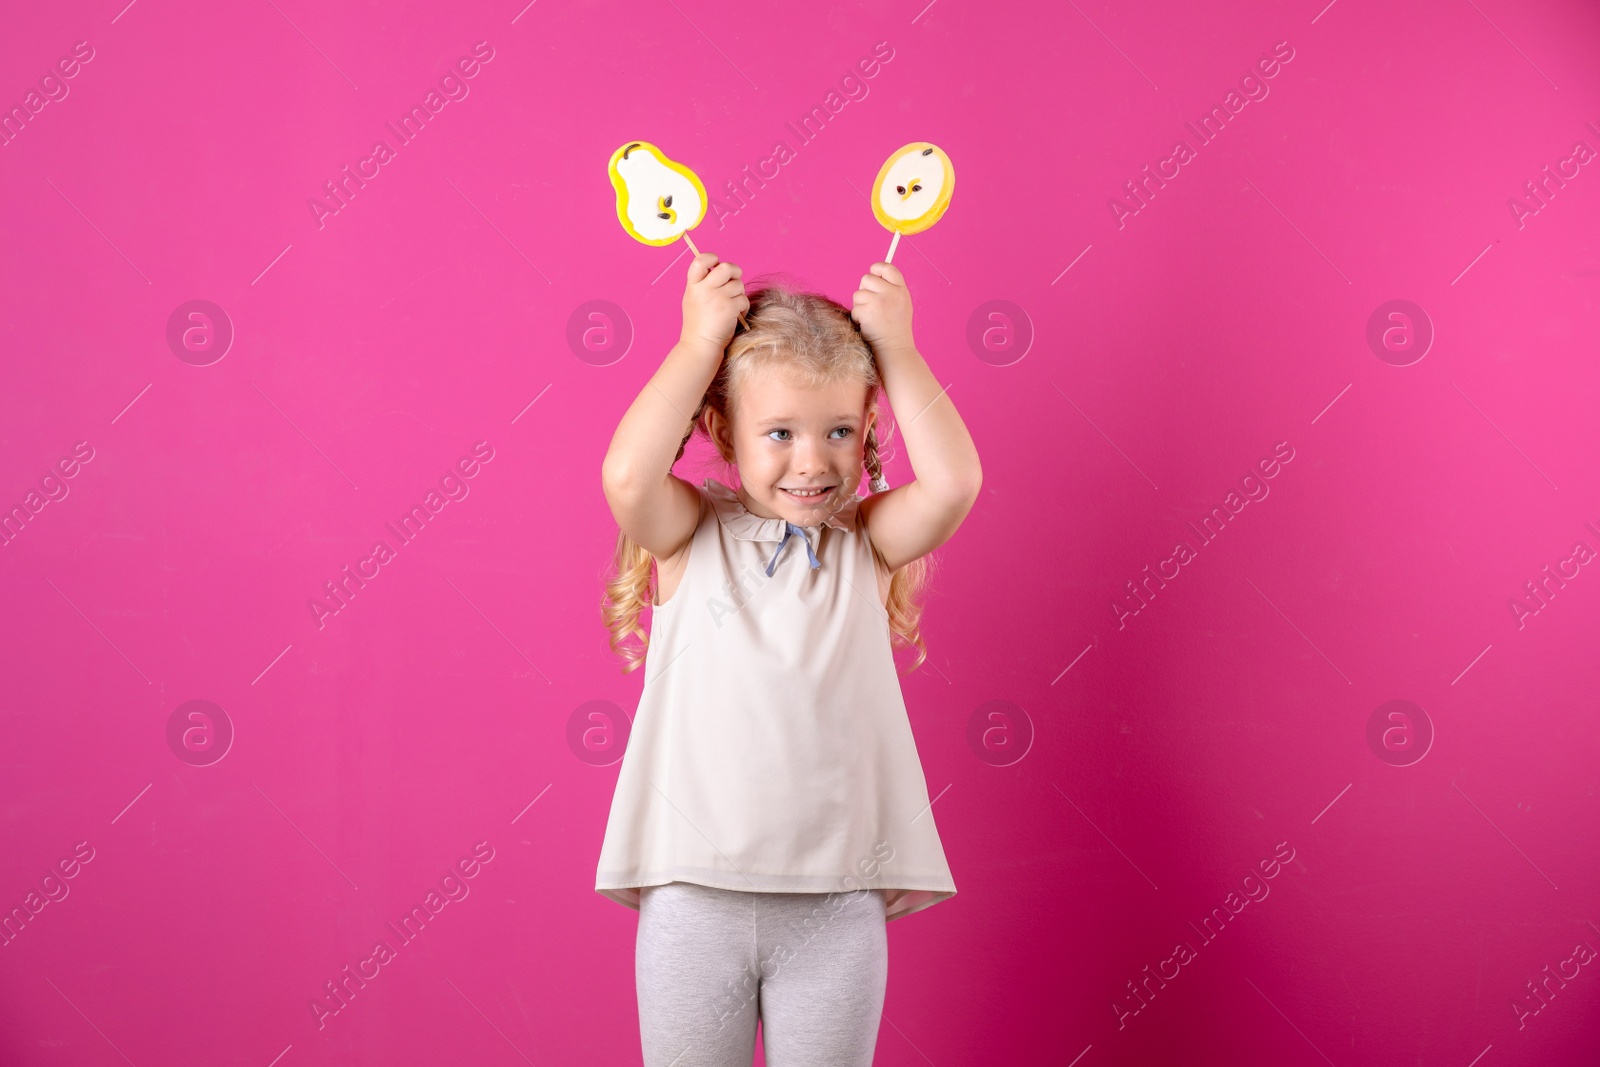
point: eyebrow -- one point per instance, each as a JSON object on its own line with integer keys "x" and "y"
{"x": 846, "y": 417}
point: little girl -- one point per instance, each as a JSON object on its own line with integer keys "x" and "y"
{"x": 771, "y": 812}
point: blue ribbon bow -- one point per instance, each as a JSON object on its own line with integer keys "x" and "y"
{"x": 790, "y": 529}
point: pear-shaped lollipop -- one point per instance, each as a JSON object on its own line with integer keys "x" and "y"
{"x": 912, "y": 190}
{"x": 658, "y": 199}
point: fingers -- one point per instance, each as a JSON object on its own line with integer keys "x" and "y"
{"x": 701, "y": 265}
{"x": 721, "y": 277}
{"x": 882, "y": 277}
{"x": 722, "y": 273}
{"x": 888, "y": 272}
{"x": 706, "y": 267}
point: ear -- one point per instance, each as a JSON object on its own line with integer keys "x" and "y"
{"x": 719, "y": 431}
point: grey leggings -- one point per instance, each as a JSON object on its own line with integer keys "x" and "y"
{"x": 811, "y": 966}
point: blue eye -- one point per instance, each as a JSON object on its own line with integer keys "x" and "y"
{"x": 836, "y": 429}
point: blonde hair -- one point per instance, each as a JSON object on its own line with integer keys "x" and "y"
{"x": 815, "y": 341}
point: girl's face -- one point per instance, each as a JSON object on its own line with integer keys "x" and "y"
{"x": 787, "y": 438}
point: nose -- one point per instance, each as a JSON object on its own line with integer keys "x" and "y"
{"x": 809, "y": 458}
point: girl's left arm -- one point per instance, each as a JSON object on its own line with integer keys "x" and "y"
{"x": 911, "y": 520}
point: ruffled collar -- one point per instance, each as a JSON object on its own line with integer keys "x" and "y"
{"x": 748, "y": 526}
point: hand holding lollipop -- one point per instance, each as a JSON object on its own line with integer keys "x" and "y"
{"x": 882, "y": 307}
{"x": 714, "y": 288}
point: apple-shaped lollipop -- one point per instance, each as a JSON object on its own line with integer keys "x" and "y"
{"x": 912, "y": 190}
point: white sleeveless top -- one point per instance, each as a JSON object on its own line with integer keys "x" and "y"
{"x": 771, "y": 751}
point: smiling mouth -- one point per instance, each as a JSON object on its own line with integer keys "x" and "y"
{"x": 811, "y": 495}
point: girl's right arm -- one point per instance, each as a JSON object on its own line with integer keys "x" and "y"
{"x": 656, "y": 509}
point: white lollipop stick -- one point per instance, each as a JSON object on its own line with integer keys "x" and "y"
{"x": 892, "y": 245}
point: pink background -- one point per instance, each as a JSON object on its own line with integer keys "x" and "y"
{"x": 1139, "y": 766}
